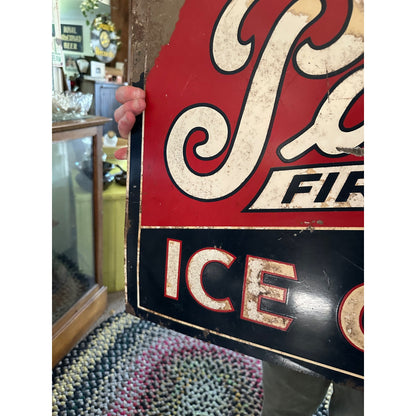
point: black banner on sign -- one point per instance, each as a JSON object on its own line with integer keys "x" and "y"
{"x": 273, "y": 290}
{"x": 72, "y": 38}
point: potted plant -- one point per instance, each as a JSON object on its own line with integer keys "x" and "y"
{"x": 88, "y": 8}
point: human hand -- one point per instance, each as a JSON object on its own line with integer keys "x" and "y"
{"x": 133, "y": 103}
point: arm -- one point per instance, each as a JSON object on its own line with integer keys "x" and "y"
{"x": 133, "y": 103}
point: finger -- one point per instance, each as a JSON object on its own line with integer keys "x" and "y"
{"x": 135, "y": 106}
{"x": 125, "y": 124}
{"x": 128, "y": 92}
{"x": 121, "y": 153}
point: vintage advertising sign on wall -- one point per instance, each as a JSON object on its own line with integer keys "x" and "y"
{"x": 104, "y": 40}
{"x": 72, "y": 38}
{"x": 246, "y": 193}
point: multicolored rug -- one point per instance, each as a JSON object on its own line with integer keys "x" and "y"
{"x": 128, "y": 366}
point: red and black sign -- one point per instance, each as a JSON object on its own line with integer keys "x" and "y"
{"x": 246, "y": 192}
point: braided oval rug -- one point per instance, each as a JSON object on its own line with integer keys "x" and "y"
{"x": 128, "y": 366}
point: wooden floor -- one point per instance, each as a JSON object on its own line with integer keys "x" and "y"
{"x": 115, "y": 304}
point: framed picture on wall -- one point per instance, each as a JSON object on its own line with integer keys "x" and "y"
{"x": 70, "y": 63}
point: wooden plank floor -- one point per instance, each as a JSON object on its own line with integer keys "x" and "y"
{"x": 115, "y": 304}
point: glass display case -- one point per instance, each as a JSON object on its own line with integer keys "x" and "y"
{"x": 72, "y": 224}
{"x": 78, "y": 296}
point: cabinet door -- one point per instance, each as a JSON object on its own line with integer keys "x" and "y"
{"x": 73, "y": 255}
{"x": 78, "y": 296}
{"x": 106, "y": 104}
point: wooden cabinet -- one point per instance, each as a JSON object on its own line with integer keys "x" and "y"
{"x": 78, "y": 295}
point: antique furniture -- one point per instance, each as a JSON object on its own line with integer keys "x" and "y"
{"x": 78, "y": 295}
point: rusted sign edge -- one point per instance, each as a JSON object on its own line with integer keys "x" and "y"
{"x": 146, "y": 38}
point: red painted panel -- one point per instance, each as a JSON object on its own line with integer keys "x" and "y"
{"x": 186, "y": 75}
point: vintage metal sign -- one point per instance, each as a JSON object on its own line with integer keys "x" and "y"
{"x": 246, "y": 193}
{"x": 72, "y": 39}
{"x": 104, "y": 39}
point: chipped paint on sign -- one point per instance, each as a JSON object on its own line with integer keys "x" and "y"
{"x": 195, "y": 267}
{"x": 316, "y": 187}
{"x": 350, "y": 317}
{"x": 255, "y": 289}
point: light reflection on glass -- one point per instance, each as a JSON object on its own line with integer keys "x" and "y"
{"x": 72, "y": 224}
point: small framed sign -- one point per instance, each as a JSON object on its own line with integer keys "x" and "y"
{"x": 72, "y": 38}
{"x": 246, "y": 178}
